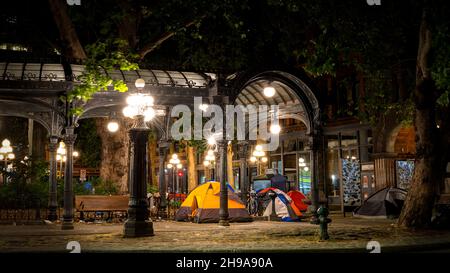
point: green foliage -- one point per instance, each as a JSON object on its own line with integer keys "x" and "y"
{"x": 440, "y": 69}
{"x": 380, "y": 103}
{"x": 28, "y": 183}
{"x": 104, "y": 187}
{"x": 152, "y": 188}
{"x": 99, "y": 187}
{"x": 103, "y": 56}
{"x": 88, "y": 144}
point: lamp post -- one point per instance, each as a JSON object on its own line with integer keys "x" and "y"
{"x": 6, "y": 152}
{"x": 140, "y": 109}
{"x": 174, "y": 164}
{"x": 257, "y": 157}
{"x": 61, "y": 156}
{"x": 209, "y": 161}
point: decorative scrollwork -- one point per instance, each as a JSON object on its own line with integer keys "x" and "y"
{"x": 50, "y": 76}
{"x": 30, "y": 76}
{"x": 9, "y": 76}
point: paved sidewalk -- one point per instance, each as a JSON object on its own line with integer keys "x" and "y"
{"x": 346, "y": 235}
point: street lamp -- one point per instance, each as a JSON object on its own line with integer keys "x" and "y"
{"x": 113, "y": 126}
{"x": 269, "y": 91}
{"x": 209, "y": 161}
{"x": 174, "y": 163}
{"x": 61, "y": 156}
{"x": 139, "y": 107}
{"x": 6, "y": 152}
{"x": 257, "y": 157}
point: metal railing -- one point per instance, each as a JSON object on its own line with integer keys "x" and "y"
{"x": 22, "y": 211}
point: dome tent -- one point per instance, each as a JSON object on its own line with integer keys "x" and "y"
{"x": 284, "y": 206}
{"x": 299, "y": 199}
{"x": 203, "y": 204}
{"x": 385, "y": 203}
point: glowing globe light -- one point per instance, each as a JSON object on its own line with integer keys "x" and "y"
{"x": 130, "y": 111}
{"x": 258, "y": 153}
{"x": 206, "y": 163}
{"x": 6, "y": 142}
{"x": 306, "y": 169}
{"x": 148, "y": 100}
{"x": 210, "y": 152}
{"x": 252, "y": 159}
{"x": 134, "y": 99}
{"x": 169, "y": 166}
{"x": 149, "y": 114}
{"x": 11, "y": 156}
{"x": 269, "y": 91}
{"x": 174, "y": 156}
{"x": 179, "y": 166}
{"x": 258, "y": 148}
{"x": 275, "y": 129}
{"x": 75, "y": 154}
{"x": 211, "y": 141}
{"x": 264, "y": 159}
{"x": 139, "y": 83}
{"x": 113, "y": 126}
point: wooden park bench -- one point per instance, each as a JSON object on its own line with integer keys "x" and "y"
{"x": 101, "y": 203}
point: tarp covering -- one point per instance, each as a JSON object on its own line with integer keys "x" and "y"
{"x": 299, "y": 199}
{"x": 385, "y": 203}
{"x": 203, "y": 203}
{"x": 284, "y": 206}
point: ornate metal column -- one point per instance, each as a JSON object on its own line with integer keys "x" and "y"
{"x": 138, "y": 223}
{"x": 163, "y": 148}
{"x": 315, "y": 147}
{"x": 243, "y": 177}
{"x": 69, "y": 140}
{"x": 52, "y": 198}
{"x": 222, "y": 168}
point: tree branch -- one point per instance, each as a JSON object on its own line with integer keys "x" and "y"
{"x": 71, "y": 43}
{"x": 167, "y": 35}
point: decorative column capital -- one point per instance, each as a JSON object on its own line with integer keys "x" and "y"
{"x": 70, "y": 136}
{"x": 221, "y": 144}
{"x": 53, "y": 145}
{"x": 140, "y": 124}
{"x": 163, "y": 147}
{"x": 243, "y": 149}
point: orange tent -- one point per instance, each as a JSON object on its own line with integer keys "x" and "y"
{"x": 299, "y": 199}
{"x": 203, "y": 204}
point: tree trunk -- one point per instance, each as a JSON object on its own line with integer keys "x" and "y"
{"x": 192, "y": 173}
{"x": 114, "y": 164}
{"x": 420, "y": 200}
{"x": 230, "y": 176}
{"x": 70, "y": 42}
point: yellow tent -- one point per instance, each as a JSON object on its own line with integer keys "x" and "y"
{"x": 203, "y": 204}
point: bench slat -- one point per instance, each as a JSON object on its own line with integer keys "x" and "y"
{"x": 101, "y": 203}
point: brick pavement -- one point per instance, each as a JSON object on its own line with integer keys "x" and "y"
{"x": 346, "y": 234}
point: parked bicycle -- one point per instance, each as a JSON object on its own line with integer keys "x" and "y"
{"x": 252, "y": 203}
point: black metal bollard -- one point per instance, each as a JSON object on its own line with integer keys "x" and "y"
{"x": 273, "y": 215}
